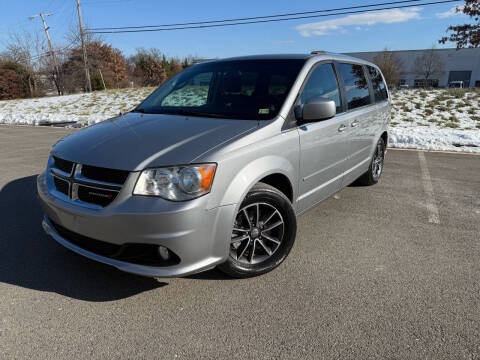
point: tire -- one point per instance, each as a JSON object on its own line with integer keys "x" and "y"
{"x": 374, "y": 172}
{"x": 276, "y": 221}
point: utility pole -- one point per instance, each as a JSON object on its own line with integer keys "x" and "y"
{"x": 55, "y": 64}
{"x": 103, "y": 81}
{"x": 88, "y": 84}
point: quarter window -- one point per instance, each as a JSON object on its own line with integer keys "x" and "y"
{"x": 322, "y": 83}
{"x": 356, "y": 85}
{"x": 379, "y": 88}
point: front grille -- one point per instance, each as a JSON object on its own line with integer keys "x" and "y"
{"x": 64, "y": 165}
{"x": 135, "y": 253}
{"x": 104, "y": 174}
{"x": 86, "y": 183}
{"x": 61, "y": 185}
{"x": 98, "y": 196}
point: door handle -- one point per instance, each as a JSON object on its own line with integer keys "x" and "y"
{"x": 354, "y": 123}
{"x": 342, "y": 128}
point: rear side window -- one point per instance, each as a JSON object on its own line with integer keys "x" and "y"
{"x": 322, "y": 83}
{"x": 356, "y": 85}
{"x": 379, "y": 88}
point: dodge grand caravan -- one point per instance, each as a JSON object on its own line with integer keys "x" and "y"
{"x": 213, "y": 167}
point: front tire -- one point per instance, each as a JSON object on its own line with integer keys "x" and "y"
{"x": 263, "y": 233}
{"x": 372, "y": 176}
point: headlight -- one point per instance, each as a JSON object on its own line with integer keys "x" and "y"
{"x": 176, "y": 183}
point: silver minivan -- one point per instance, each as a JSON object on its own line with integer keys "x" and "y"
{"x": 212, "y": 169}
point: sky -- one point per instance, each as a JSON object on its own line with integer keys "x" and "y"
{"x": 409, "y": 28}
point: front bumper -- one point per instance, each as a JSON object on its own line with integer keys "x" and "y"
{"x": 197, "y": 235}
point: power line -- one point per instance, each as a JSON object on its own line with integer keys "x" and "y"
{"x": 258, "y": 17}
{"x": 266, "y": 19}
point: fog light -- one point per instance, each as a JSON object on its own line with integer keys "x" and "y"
{"x": 163, "y": 252}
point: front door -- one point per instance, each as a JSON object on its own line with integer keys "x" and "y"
{"x": 323, "y": 144}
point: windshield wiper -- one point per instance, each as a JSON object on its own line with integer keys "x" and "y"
{"x": 195, "y": 113}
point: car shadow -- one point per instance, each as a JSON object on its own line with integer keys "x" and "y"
{"x": 31, "y": 259}
{"x": 212, "y": 274}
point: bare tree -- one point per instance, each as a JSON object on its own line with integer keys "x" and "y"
{"x": 390, "y": 65}
{"x": 428, "y": 65}
{"x": 26, "y": 49}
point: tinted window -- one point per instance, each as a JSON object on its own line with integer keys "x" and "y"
{"x": 379, "y": 88}
{"x": 238, "y": 89}
{"x": 322, "y": 83}
{"x": 356, "y": 86}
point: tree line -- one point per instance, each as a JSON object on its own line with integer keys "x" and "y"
{"x": 23, "y": 74}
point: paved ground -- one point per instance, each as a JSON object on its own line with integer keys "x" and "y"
{"x": 373, "y": 275}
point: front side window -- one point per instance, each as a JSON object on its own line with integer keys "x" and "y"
{"x": 379, "y": 88}
{"x": 322, "y": 83}
{"x": 236, "y": 89}
{"x": 356, "y": 85}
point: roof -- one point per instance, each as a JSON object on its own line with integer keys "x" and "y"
{"x": 270, "y": 57}
{"x": 319, "y": 55}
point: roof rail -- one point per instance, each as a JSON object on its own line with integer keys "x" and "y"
{"x": 318, "y": 52}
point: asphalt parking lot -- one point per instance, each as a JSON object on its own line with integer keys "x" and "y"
{"x": 389, "y": 272}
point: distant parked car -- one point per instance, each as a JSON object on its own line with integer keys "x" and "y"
{"x": 455, "y": 84}
{"x": 214, "y": 166}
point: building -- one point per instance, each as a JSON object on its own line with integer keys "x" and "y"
{"x": 458, "y": 65}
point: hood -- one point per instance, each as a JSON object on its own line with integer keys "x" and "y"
{"x": 136, "y": 141}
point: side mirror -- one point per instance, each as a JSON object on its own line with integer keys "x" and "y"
{"x": 316, "y": 109}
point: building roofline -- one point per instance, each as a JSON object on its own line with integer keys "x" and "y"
{"x": 436, "y": 49}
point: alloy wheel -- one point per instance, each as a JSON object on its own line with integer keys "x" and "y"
{"x": 257, "y": 233}
{"x": 378, "y": 161}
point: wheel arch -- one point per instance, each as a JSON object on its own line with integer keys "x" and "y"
{"x": 384, "y": 136}
{"x": 274, "y": 170}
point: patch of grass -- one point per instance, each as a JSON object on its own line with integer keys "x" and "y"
{"x": 418, "y": 106}
{"x": 478, "y": 126}
{"x": 428, "y": 112}
{"x": 451, "y": 125}
{"x": 393, "y": 123}
{"x": 454, "y": 119}
{"x": 457, "y": 93}
{"x": 442, "y": 97}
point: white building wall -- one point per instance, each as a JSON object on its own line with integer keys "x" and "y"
{"x": 453, "y": 60}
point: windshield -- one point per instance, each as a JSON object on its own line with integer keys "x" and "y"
{"x": 238, "y": 89}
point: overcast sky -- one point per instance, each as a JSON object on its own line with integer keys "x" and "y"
{"x": 410, "y": 28}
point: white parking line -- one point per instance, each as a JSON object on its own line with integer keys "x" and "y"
{"x": 427, "y": 186}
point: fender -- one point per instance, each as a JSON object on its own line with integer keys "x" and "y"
{"x": 253, "y": 172}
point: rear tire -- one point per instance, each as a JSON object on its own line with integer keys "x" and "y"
{"x": 263, "y": 234}
{"x": 372, "y": 176}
